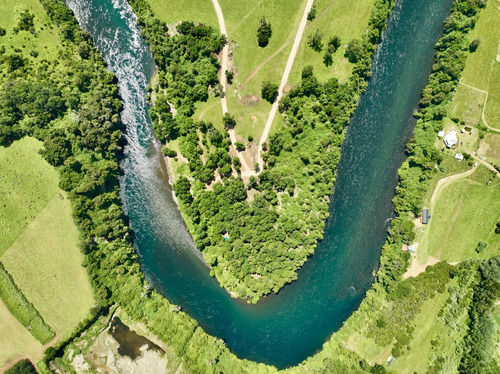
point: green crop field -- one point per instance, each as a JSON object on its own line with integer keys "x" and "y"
{"x": 46, "y": 43}
{"x": 465, "y": 214}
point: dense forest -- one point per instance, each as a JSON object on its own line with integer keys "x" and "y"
{"x": 254, "y": 246}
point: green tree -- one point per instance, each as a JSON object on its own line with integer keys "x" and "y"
{"x": 315, "y": 41}
{"x": 264, "y": 32}
{"x": 269, "y": 91}
{"x": 355, "y": 51}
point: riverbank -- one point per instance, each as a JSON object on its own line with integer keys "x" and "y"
{"x": 286, "y": 185}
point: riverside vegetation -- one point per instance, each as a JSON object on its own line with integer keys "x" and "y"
{"x": 114, "y": 268}
{"x": 254, "y": 246}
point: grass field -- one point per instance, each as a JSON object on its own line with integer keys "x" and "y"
{"x": 39, "y": 246}
{"x": 465, "y": 213}
{"x": 482, "y": 70}
{"x": 490, "y": 147}
{"x": 428, "y": 326}
{"x": 477, "y": 69}
{"x": 492, "y": 112}
{"x": 198, "y": 11}
{"x": 468, "y": 105}
{"x": 15, "y": 340}
{"x": 343, "y": 18}
{"x": 47, "y": 42}
{"x": 27, "y": 184}
{"x": 23, "y": 309}
{"x": 46, "y": 264}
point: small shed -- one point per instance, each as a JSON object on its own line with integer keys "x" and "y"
{"x": 440, "y": 134}
{"x": 389, "y": 360}
{"x": 412, "y": 249}
{"x": 459, "y": 156}
{"x": 425, "y": 216}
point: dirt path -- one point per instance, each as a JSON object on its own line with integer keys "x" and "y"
{"x": 282, "y": 47}
{"x": 487, "y": 164}
{"x": 416, "y": 268}
{"x": 484, "y": 105}
{"x": 284, "y": 79}
{"x": 222, "y": 79}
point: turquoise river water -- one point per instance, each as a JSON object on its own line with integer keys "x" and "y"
{"x": 285, "y": 328}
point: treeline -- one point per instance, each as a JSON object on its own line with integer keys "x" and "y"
{"x": 24, "y": 311}
{"x": 254, "y": 248}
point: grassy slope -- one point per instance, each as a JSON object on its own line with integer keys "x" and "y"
{"x": 47, "y": 43}
{"x": 482, "y": 69}
{"x": 41, "y": 251}
{"x": 344, "y": 18}
{"x": 27, "y": 184}
{"x": 59, "y": 288}
{"x": 171, "y": 11}
{"x": 466, "y": 212}
{"x": 15, "y": 340}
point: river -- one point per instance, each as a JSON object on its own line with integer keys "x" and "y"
{"x": 282, "y": 329}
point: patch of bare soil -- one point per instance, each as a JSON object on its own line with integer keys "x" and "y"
{"x": 250, "y": 100}
{"x": 119, "y": 350}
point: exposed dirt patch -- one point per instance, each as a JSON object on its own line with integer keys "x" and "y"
{"x": 121, "y": 350}
{"x": 250, "y": 100}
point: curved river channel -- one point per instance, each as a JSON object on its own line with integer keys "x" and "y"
{"x": 282, "y": 329}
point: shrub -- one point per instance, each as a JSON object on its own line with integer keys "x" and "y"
{"x": 474, "y": 44}
{"x": 315, "y": 41}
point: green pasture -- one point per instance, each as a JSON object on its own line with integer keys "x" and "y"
{"x": 23, "y": 309}
{"x": 465, "y": 213}
{"x": 492, "y": 111}
{"x": 27, "y": 184}
{"x": 477, "y": 68}
{"x": 343, "y": 18}
{"x": 46, "y": 42}
{"x": 15, "y": 340}
{"x": 428, "y": 326}
{"x": 198, "y": 11}
{"x": 45, "y": 262}
{"x": 490, "y": 147}
{"x": 468, "y": 105}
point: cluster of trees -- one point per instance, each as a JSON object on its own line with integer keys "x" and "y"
{"x": 269, "y": 91}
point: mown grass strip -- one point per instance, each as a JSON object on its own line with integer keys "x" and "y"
{"x": 22, "y": 309}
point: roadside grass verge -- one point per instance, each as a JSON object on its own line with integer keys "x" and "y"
{"x": 343, "y": 18}
{"x": 465, "y": 214}
{"x": 27, "y": 184}
{"x": 198, "y": 11}
{"x": 46, "y": 42}
{"x": 45, "y": 262}
{"x": 15, "y": 340}
{"x": 22, "y": 309}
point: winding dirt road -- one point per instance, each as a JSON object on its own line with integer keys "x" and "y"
{"x": 245, "y": 170}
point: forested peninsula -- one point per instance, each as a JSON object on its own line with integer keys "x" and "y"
{"x": 254, "y": 235}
